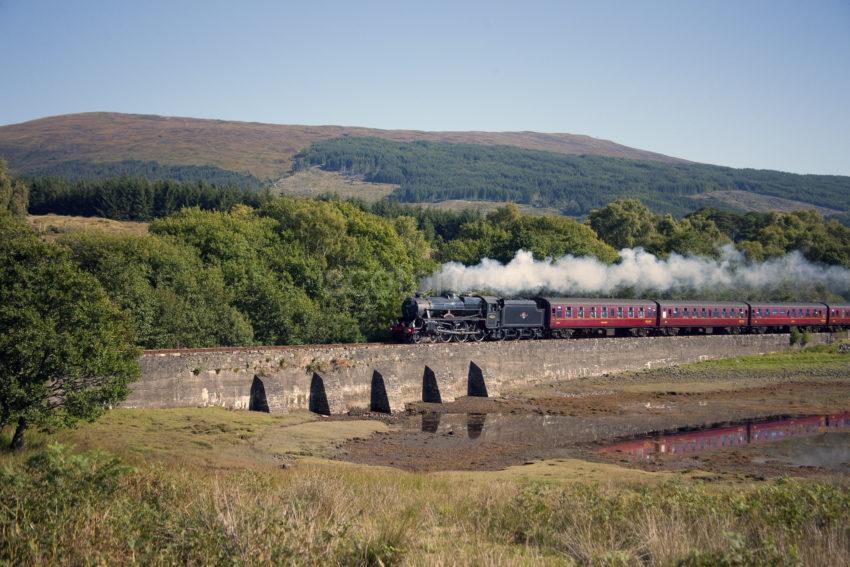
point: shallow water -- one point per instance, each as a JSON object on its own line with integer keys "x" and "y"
{"x": 808, "y": 440}
{"x": 829, "y": 450}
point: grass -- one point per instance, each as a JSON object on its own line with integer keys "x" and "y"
{"x": 60, "y": 507}
{"x": 314, "y": 182}
{"x": 50, "y": 227}
{"x": 212, "y": 437}
{"x": 746, "y": 201}
{"x": 457, "y": 205}
{"x": 810, "y": 358}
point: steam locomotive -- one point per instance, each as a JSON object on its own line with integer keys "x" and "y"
{"x": 454, "y": 318}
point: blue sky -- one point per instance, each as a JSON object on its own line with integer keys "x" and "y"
{"x": 743, "y": 83}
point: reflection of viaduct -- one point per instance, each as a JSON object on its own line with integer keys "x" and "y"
{"x": 331, "y": 379}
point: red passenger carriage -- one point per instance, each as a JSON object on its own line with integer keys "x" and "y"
{"x": 702, "y": 316}
{"x": 775, "y": 316}
{"x": 566, "y": 317}
{"x": 839, "y": 315}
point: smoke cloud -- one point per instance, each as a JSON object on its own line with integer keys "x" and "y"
{"x": 637, "y": 270}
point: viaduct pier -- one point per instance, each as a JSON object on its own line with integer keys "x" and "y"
{"x": 332, "y": 379}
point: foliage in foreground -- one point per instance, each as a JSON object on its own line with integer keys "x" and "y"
{"x": 61, "y": 508}
{"x": 66, "y": 352}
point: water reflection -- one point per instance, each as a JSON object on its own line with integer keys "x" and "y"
{"x": 430, "y": 422}
{"x": 501, "y": 428}
{"x": 753, "y": 432}
{"x": 475, "y": 424}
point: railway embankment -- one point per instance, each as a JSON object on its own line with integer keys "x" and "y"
{"x": 333, "y": 379}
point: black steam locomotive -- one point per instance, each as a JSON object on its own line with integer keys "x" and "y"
{"x": 452, "y": 318}
{"x": 468, "y": 318}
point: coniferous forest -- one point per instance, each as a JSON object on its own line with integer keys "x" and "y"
{"x": 438, "y": 171}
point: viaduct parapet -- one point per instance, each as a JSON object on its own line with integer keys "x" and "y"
{"x": 336, "y": 378}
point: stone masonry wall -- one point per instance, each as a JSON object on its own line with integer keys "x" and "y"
{"x": 336, "y": 378}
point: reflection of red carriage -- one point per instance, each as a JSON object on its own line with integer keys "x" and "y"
{"x": 688, "y": 442}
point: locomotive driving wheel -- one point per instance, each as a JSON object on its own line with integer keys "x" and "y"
{"x": 443, "y": 335}
{"x": 479, "y": 335}
{"x": 460, "y": 335}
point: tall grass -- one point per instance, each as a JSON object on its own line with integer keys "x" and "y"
{"x": 57, "y": 507}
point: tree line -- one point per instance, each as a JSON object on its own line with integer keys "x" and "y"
{"x": 76, "y": 170}
{"x": 133, "y": 198}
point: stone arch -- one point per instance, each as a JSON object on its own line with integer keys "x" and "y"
{"x": 379, "y": 402}
{"x": 430, "y": 389}
{"x": 475, "y": 385}
{"x": 318, "y": 397}
{"x": 257, "y": 400}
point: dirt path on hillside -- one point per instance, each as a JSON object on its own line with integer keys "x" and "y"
{"x": 579, "y": 418}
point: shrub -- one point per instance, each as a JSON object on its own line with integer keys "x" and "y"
{"x": 795, "y": 335}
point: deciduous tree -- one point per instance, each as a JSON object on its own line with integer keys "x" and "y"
{"x": 65, "y": 350}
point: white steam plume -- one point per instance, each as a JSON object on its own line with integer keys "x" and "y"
{"x": 638, "y": 270}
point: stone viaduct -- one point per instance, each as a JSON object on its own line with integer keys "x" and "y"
{"x": 330, "y": 379}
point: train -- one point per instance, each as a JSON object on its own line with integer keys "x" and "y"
{"x": 462, "y": 318}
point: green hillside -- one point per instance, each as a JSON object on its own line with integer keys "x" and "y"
{"x": 574, "y": 184}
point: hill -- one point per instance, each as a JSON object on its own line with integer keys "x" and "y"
{"x": 438, "y": 171}
{"x": 249, "y": 148}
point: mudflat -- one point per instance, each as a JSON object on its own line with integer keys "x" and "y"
{"x": 783, "y": 414}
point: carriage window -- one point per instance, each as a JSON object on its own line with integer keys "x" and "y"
{"x": 631, "y": 311}
{"x": 581, "y": 312}
{"x": 782, "y": 311}
{"x": 741, "y": 311}
{"x": 640, "y": 311}
{"x": 809, "y": 312}
{"x": 775, "y": 311}
{"x": 758, "y": 311}
{"x": 560, "y": 312}
{"x": 676, "y": 311}
{"x": 593, "y": 311}
{"x": 716, "y": 312}
{"x": 569, "y": 312}
{"x": 604, "y": 311}
{"x": 619, "y": 312}
{"x": 724, "y": 312}
{"x": 685, "y": 312}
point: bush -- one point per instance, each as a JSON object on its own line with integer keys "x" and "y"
{"x": 796, "y": 336}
